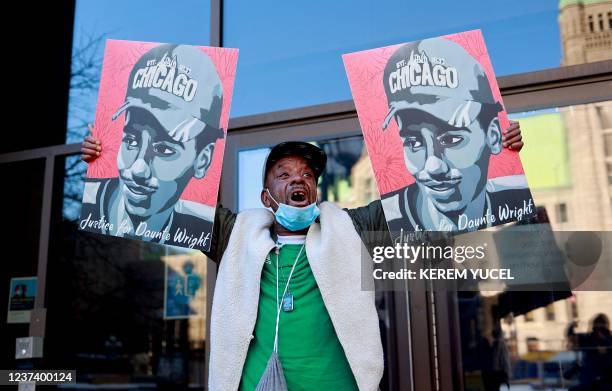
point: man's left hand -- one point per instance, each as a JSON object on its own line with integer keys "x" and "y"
{"x": 512, "y": 138}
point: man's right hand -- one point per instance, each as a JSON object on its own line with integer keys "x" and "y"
{"x": 90, "y": 148}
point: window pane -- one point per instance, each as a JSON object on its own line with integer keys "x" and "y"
{"x": 290, "y": 55}
{"x": 566, "y": 162}
{"x": 125, "y": 313}
{"x": 550, "y": 339}
{"x": 134, "y": 20}
{"x": 561, "y": 212}
{"x": 21, "y": 213}
{"x": 555, "y": 345}
{"x": 608, "y": 144}
{"x": 348, "y": 180}
{"x": 250, "y": 168}
{"x": 74, "y": 183}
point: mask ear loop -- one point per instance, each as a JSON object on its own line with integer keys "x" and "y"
{"x": 270, "y": 194}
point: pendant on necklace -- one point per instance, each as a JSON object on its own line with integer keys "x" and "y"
{"x": 288, "y": 302}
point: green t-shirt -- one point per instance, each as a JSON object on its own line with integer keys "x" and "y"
{"x": 309, "y": 350}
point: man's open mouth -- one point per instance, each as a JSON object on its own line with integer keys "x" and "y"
{"x": 298, "y": 197}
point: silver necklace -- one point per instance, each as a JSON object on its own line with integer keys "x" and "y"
{"x": 289, "y": 301}
{"x": 287, "y": 298}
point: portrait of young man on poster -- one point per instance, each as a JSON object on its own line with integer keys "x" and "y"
{"x": 172, "y": 114}
{"x": 449, "y": 126}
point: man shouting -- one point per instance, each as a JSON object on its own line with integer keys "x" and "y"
{"x": 288, "y": 305}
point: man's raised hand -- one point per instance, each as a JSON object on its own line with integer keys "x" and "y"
{"x": 91, "y": 147}
{"x": 512, "y": 138}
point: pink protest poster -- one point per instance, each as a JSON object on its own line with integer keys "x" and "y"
{"x": 432, "y": 118}
{"x": 161, "y": 118}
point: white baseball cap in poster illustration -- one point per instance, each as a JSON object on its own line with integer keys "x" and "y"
{"x": 439, "y": 77}
{"x": 180, "y": 87}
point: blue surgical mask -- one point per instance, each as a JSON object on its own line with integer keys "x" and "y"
{"x": 294, "y": 218}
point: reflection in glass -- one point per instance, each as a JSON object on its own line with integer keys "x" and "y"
{"x": 135, "y": 20}
{"x": 567, "y": 163}
{"x": 22, "y": 205}
{"x": 74, "y": 182}
{"x": 123, "y": 313}
{"x": 348, "y": 182}
{"x": 553, "y": 339}
{"x": 250, "y": 171}
{"x": 287, "y": 61}
{"x": 584, "y": 38}
{"x": 348, "y": 178}
{"x": 536, "y": 340}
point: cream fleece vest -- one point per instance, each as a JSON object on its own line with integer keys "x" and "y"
{"x": 334, "y": 251}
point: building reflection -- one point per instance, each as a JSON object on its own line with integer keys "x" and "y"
{"x": 568, "y": 163}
